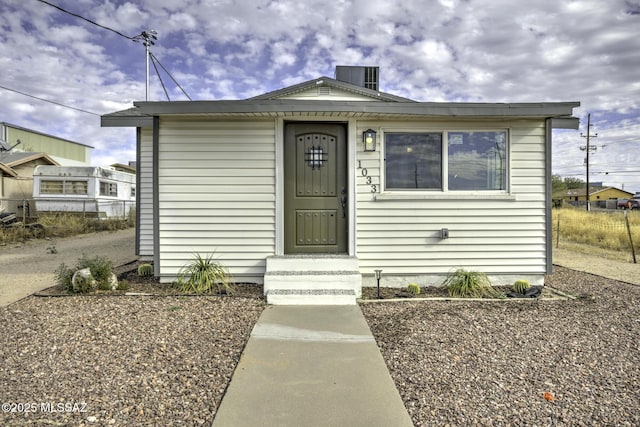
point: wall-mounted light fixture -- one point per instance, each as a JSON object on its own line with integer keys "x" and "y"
{"x": 369, "y": 139}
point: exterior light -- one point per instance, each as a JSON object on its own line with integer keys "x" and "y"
{"x": 369, "y": 139}
{"x": 378, "y": 276}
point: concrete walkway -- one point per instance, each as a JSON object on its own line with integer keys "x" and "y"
{"x": 312, "y": 366}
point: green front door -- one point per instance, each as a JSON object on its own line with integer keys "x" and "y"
{"x": 316, "y": 204}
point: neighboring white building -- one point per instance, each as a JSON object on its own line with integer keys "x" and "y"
{"x": 435, "y": 187}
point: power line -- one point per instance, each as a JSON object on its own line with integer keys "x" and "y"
{"x": 153, "y": 57}
{"x": 159, "y": 77}
{"x": 49, "y": 101}
{"x": 86, "y": 19}
{"x": 147, "y": 38}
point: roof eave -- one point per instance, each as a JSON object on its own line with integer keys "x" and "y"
{"x": 542, "y": 110}
{"x": 31, "y": 158}
{"x": 7, "y": 170}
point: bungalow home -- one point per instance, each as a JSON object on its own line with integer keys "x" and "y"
{"x": 596, "y": 194}
{"x": 16, "y": 180}
{"x": 312, "y": 188}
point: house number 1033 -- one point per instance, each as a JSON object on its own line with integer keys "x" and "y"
{"x": 367, "y": 177}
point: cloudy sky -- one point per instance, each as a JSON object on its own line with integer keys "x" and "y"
{"x": 427, "y": 50}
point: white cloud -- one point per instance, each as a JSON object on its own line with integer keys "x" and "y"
{"x": 450, "y": 50}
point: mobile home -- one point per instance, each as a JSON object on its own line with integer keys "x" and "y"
{"x": 90, "y": 190}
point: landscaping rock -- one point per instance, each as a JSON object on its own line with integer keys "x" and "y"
{"x": 83, "y": 281}
{"x": 113, "y": 282}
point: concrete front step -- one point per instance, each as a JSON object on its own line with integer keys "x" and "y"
{"x": 307, "y": 262}
{"x": 311, "y": 297}
{"x": 312, "y": 279}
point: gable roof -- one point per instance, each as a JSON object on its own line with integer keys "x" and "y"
{"x": 379, "y": 106}
{"x": 6, "y": 170}
{"x": 328, "y": 82}
{"x": 17, "y": 158}
{"x": 581, "y": 192}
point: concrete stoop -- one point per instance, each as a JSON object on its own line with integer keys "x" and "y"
{"x": 312, "y": 280}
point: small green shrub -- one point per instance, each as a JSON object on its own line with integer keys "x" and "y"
{"x": 123, "y": 285}
{"x": 100, "y": 267}
{"x": 145, "y": 270}
{"x": 413, "y": 289}
{"x": 520, "y": 286}
{"x": 469, "y": 284}
{"x": 204, "y": 275}
{"x": 64, "y": 275}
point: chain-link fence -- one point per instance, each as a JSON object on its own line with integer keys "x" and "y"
{"x": 27, "y": 209}
{"x": 616, "y": 231}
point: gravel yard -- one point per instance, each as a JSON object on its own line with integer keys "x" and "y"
{"x": 466, "y": 363}
{"x": 132, "y": 360}
{"x": 167, "y": 360}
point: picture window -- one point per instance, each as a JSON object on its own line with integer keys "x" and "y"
{"x": 446, "y": 161}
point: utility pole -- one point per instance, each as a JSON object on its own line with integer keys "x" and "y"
{"x": 147, "y": 38}
{"x": 588, "y": 148}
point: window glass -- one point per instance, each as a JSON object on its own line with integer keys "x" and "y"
{"x": 413, "y": 161}
{"x": 75, "y": 187}
{"x": 108, "y": 189}
{"x": 63, "y": 187}
{"x": 51, "y": 187}
{"x": 477, "y": 160}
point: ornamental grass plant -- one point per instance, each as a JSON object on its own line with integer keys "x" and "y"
{"x": 469, "y": 284}
{"x": 204, "y": 275}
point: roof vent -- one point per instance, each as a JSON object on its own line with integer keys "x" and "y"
{"x": 324, "y": 90}
{"x": 367, "y": 77}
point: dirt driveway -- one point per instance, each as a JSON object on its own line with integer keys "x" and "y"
{"x": 598, "y": 265}
{"x": 29, "y": 267}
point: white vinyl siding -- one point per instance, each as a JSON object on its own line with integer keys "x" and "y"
{"x": 217, "y": 194}
{"x": 145, "y": 191}
{"x": 496, "y": 234}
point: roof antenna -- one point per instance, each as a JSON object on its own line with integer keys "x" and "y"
{"x": 5, "y": 151}
{"x": 18, "y": 142}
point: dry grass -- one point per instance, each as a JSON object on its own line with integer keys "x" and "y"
{"x": 599, "y": 229}
{"x": 13, "y": 234}
{"x": 66, "y": 224}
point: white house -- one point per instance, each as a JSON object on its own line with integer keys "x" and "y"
{"x": 319, "y": 184}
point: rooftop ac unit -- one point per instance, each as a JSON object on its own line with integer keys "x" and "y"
{"x": 367, "y": 77}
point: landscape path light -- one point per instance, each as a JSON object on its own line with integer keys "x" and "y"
{"x": 378, "y": 276}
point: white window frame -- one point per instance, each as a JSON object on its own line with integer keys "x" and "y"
{"x": 66, "y": 184}
{"x": 444, "y": 192}
{"x": 110, "y": 185}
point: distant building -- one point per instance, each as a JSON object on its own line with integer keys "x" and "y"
{"x": 596, "y": 194}
{"x": 21, "y": 150}
{"x": 16, "y": 180}
{"x": 63, "y": 151}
